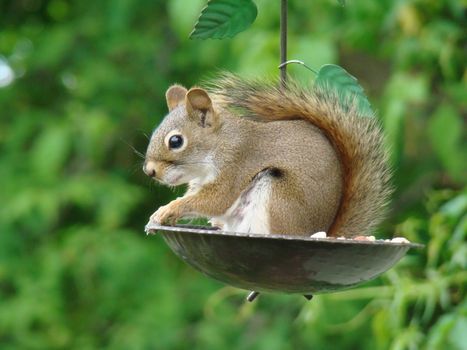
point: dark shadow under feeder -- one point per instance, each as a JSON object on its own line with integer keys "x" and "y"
{"x": 281, "y": 263}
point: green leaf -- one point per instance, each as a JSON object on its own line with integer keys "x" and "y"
{"x": 445, "y": 132}
{"x": 224, "y": 18}
{"x": 341, "y": 2}
{"x": 50, "y": 152}
{"x": 394, "y": 127}
{"x": 331, "y": 76}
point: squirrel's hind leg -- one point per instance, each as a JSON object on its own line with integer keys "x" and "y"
{"x": 296, "y": 209}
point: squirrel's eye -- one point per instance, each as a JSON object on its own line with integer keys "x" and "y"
{"x": 175, "y": 141}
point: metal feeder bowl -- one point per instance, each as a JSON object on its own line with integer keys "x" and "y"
{"x": 281, "y": 263}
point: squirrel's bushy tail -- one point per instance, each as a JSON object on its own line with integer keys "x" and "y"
{"x": 357, "y": 138}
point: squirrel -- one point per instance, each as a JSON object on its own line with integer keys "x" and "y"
{"x": 269, "y": 159}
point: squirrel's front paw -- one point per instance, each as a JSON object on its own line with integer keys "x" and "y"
{"x": 166, "y": 215}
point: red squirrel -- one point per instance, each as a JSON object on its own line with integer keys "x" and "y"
{"x": 261, "y": 158}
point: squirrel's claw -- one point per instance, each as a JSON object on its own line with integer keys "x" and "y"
{"x": 165, "y": 215}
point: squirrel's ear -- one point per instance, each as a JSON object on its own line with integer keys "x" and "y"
{"x": 199, "y": 106}
{"x": 175, "y": 95}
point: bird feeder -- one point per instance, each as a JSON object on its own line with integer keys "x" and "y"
{"x": 281, "y": 263}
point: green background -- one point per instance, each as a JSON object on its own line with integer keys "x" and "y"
{"x": 77, "y": 271}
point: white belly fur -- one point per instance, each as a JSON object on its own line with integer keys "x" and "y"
{"x": 249, "y": 213}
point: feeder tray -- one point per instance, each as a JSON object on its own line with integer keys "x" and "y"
{"x": 281, "y": 263}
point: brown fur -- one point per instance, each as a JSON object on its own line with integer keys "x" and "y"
{"x": 356, "y": 137}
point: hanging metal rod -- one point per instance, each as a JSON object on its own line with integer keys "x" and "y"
{"x": 283, "y": 42}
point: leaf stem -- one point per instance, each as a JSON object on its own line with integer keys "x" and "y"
{"x": 298, "y": 62}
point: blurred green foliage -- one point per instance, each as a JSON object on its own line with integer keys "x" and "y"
{"x": 77, "y": 271}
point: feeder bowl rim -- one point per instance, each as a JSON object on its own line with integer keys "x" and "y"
{"x": 182, "y": 228}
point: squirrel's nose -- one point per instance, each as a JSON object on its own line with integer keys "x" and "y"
{"x": 149, "y": 169}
